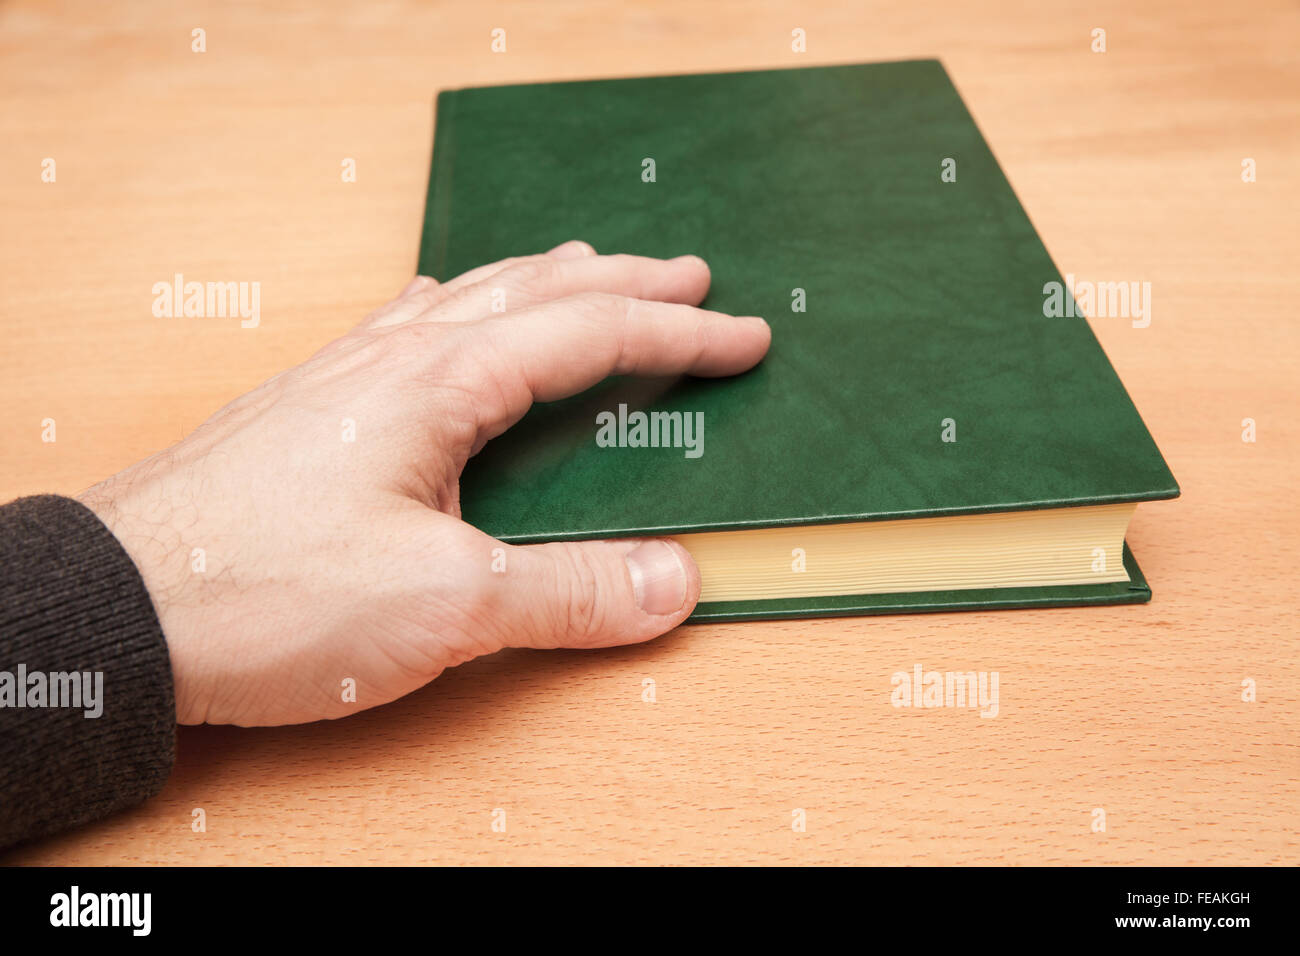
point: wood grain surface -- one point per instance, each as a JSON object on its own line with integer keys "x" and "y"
{"x": 225, "y": 165}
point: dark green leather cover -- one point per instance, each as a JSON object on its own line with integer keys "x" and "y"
{"x": 924, "y": 302}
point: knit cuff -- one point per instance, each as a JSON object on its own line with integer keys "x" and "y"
{"x": 87, "y": 718}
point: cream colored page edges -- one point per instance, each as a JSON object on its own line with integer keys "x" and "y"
{"x": 1060, "y": 546}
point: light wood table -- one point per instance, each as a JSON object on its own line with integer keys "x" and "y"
{"x": 226, "y": 165}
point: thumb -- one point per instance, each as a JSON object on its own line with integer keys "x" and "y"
{"x": 599, "y": 593}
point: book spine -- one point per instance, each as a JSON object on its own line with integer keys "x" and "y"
{"x": 433, "y": 242}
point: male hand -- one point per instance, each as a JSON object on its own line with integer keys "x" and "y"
{"x": 327, "y": 560}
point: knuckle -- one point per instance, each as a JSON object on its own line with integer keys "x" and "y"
{"x": 413, "y": 335}
{"x": 469, "y": 604}
{"x": 580, "y": 590}
{"x": 475, "y": 359}
{"x": 597, "y": 307}
{"x": 702, "y": 329}
{"x": 428, "y": 298}
{"x": 415, "y": 345}
{"x": 478, "y": 380}
{"x": 478, "y": 588}
{"x": 533, "y": 276}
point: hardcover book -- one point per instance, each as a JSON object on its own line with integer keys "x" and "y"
{"x": 928, "y": 432}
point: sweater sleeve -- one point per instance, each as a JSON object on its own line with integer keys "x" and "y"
{"x": 87, "y": 719}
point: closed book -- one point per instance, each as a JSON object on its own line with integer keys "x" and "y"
{"x": 935, "y": 426}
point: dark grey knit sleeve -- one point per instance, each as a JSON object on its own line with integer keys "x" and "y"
{"x": 87, "y": 720}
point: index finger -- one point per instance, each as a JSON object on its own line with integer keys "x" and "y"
{"x": 567, "y": 345}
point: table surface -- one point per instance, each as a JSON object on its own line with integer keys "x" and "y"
{"x": 227, "y": 163}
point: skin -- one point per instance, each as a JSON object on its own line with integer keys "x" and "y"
{"x": 328, "y": 560}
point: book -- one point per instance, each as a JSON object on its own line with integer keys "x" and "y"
{"x": 928, "y": 431}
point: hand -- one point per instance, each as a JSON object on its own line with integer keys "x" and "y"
{"x": 327, "y": 559}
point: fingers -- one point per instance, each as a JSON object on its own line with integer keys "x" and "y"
{"x": 420, "y": 295}
{"x": 423, "y": 293}
{"x": 595, "y": 593}
{"x": 565, "y": 346}
{"x": 539, "y": 279}
{"x": 573, "y": 249}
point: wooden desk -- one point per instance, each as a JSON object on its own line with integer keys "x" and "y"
{"x": 226, "y": 164}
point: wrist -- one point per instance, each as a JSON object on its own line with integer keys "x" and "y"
{"x": 150, "y": 538}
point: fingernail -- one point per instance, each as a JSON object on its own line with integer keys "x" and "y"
{"x": 658, "y": 577}
{"x": 573, "y": 249}
{"x": 689, "y": 258}
{"x": 753, "y": 320}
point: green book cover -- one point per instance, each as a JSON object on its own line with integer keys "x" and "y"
{"x": 897, "y": 300}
